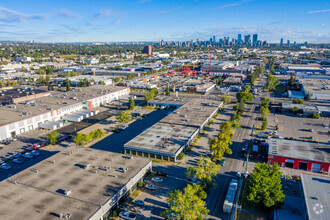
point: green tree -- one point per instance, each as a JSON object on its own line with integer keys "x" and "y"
{"x": 271, "y": 83}
{"x": 265, "y": 187}
{"x": 81, "y": 139}
{"x": 247, "y": 88}
{"x": 42, "y": 71}
{"x": 244, "y": 96}
{"x": 149, "y": 95}
{"x": 67, "y": 84}
{"x": 186, "y": 205}
{"x": 131, "y": 103}
{"x": 124, "y": 116}
{"x": 167, "y": 92}
{"x": 292, "y": 81}
{"x": 264, "y": 123}
{"x": 294, "y": 110}
{"x": 220, "y": 145}
{"x": 307, "y": 97}
{"x": 298, "y": 101}
{"x": 205, "y": 170}
{"x": 225, "y": 99}
{"x": 53, "y": 137}
{"x": 316, "y": 115}
{"x": 101, "y": 82}
{"x": 155, "y": 91}
{"x": 98, "y": 133}
{"x": 219, "y": 81}
{"x": 264, "y": 110}
{"x": 265, "y": 60}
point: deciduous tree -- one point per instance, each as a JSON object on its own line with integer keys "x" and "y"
{"x": 265, "y": 188}
{"x": 186, "y": 205}
{"x": 53, "y": 136}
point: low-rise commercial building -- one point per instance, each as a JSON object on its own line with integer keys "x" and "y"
{"x": 316, "y": 196}
{"x": 22, "y": 117}
{"x": 317, "y": 88}
{"x": 78, "y": 183}
{"x": 170, "y": 136}
{"x": 299, "y": 155}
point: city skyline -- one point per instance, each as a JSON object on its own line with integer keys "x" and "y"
{"x": 153, "y": 20}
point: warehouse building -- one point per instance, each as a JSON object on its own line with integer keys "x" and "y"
{"x": 78, "y": 183}
{"x": 317, "y": 88}
{"x": 316, "y": 191}
{"x": 21, "y": 94}
{"x": 168, "y": 101}
{"x": 73, "y": 105}
{"x": 302, "y": 155}
{"x": 173, "y": 134}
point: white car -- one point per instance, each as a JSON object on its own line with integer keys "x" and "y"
{"x": 238, "y": 174}
{"x": 151, "y": 186}
{"x": 127, "y": 215}
{"x": 5, "y": 166}
{"x": 29, "y": 156}
{"x": 157, "y": 180}
{"x": 35, "y": 153}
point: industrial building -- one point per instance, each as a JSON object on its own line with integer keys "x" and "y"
{"x": 302, "y": 155}
{"x": 78, "y": 183}
{"x": 73, "y": 105}
{"x": 316, "y": 196}
{"x": 172, "y": 135}
{"x": 168, "y": 101}
{"x": 76, "y": 80}
{"x": 21, "y": 94}
{"x": 317, "y": 88}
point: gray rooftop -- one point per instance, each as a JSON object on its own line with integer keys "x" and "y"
{"x": 299, "y": 149}
{"x": 316, "y": 85}
{"x": 57, "y": 100}
{"x": 170, "y": 100}
{"x": 193, "y": 113}
{"x": 162, "y": 138}
{"x": 317, "y": 196}
{"x": 36, "y": 192}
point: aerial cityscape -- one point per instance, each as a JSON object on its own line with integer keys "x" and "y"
{"x": 149, "y": 109}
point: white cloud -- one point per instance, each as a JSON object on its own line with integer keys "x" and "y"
{"x": 7, "y": 15}
{"x": 167, "y": 11}
{"x": 234, "y": 4}
{"x": 318, "y": 11}
{"x": 66, "y": 14}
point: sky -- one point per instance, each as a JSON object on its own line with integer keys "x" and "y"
{"x": 168, "y": 20}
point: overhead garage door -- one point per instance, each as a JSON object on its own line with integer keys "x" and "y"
{"x": 289, "y": 163}
{"x": 316, "y": 167}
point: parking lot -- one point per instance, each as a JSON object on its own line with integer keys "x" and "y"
{"x": 299, "y": 128}
{"x": 155, "y": 200}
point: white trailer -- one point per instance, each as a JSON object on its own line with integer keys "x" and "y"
{"x": 231, "y": 193}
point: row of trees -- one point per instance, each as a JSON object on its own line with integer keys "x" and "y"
{"x": 264, "y": 108}
{"x": 45, "y": 70}
{"x": 271, "y": 83}
{"x": 82, "y": 138}
{"x": 151, "y": 94}
{"x": 253, "y": 76}
{"x": 190, "y": 203}
{"x": 8, "y": 83}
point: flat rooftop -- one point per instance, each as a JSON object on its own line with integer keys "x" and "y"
{"x": 316, "y": 85}
{"x": 38, "y": 190}
{"x": 56, "y": 100}
{"x": 171, "y": 100}
{"x": 194, "y": 113}
{"x": 316, "y": 193}
{"x": 162, "y": 138}
{"x": 299, "y": 149}
{"x": 20, "y": 92}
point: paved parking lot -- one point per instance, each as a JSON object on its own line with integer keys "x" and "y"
{"x": 155, "y": 200}
{"x": 298, "y": 127}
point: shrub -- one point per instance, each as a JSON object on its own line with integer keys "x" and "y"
{"x": 181, "y": 156}
{"x": 140, "y": 184}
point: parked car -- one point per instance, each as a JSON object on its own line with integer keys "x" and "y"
{"x": 151, "y": 186}
{"x": 222, "y": 162}
{"x": 5, "y": 166}
{"x": 17, "y": 155}
{"x": 238, "y": 174}
{"x": 138, "y": 202}
{"x": 35, "y": 153}
{"x": 116, "y": 131}
{"x": 127, "y": 215}
{"x": 157, "y": 180}
{"x": 194, "y": 181}
{"x": 29, "y": 155}
{"x": 18, "y": 160}
{"x": 163, "y": 174}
